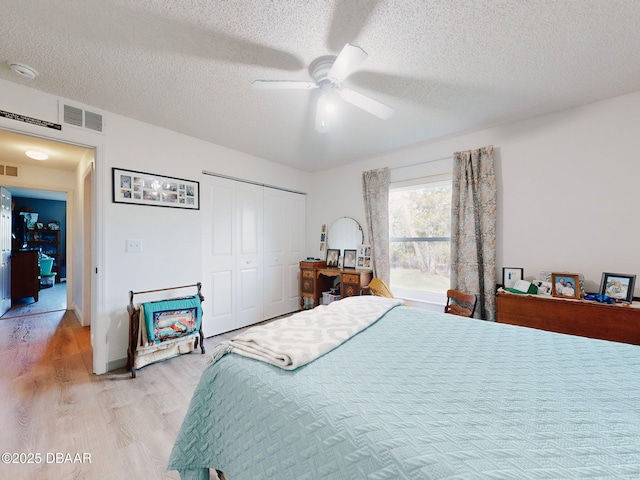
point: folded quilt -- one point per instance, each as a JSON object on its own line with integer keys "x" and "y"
{"x": 173, "y": 318}
{"x": 299, "y": 339}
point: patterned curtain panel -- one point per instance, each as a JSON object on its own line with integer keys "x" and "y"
{"x": 375, "y": 190}
{"x": 473, "y": 228}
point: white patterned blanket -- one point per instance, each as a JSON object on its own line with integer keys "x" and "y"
{"x": 299, "y": 339}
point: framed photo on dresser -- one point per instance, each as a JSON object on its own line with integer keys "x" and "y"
{"x": 618, "y": 285}
{"x": 511, "y": 275}
{"x": 565, "y": 285}
{"x": 364, "y": 257}
{"x": 333, "y": 256}
{"x": 349, "y": 259}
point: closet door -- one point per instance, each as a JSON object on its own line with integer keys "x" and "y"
{"x": 218, "y": 200}
{"x": 249, "y": 228}
{"x": 232, "y": 257}
{"x": 284, "y": 227}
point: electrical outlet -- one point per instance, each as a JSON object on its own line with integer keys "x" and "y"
{"x": 133, "y": 246}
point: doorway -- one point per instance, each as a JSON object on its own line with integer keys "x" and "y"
{"x": 63, "y": 174}
{"x": 45, "y": 233}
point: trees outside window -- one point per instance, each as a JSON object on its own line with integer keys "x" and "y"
{"x": 420, "y": 237}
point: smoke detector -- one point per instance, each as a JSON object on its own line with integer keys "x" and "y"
{"x": 23, "y": 70}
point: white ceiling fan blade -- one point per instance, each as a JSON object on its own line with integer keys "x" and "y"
{"x": 347, "y": 62}
{"x": 367, "y": 104}
{"x": 282, "y": 85}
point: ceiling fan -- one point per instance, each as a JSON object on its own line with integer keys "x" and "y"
{"x": 328, "y": 72}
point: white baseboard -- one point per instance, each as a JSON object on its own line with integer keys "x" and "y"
{"x": 116, "y": 364}
{"x": 78, "y": 313}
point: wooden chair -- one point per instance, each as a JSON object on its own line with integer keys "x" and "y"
{"x": 460, "y": 303}
{"x": 377, "y": 287}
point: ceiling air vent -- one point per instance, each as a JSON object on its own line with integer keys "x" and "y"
{"x": 78, "y": 117}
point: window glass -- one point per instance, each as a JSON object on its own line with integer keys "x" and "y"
{"x": 420, "y": 238}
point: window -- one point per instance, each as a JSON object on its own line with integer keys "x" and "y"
{"x": 420, "y": 240}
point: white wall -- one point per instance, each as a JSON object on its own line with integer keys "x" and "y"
{"x": 171, "y": 238}
{"x": 567, "y": 189}
{"x": 41, "y": 178}
{"x": 80, "y": 217}
{"x": 567, "y": 192}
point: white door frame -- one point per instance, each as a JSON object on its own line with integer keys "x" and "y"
{"x": 5, "y": 251}
{"x": 77, "y": 137}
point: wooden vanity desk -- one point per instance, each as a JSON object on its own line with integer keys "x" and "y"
{"x": 316, "y": 278}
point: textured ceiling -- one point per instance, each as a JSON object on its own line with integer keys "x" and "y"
{"x": 445, "y": 67}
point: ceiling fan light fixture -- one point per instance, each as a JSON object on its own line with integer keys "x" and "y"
{"x": 329, "y": 100}
{"x": 36, "y": 155}
{"x": 328, "y": 72}
{"x": 326, "y": 108}
{"x": 323, "y": 117}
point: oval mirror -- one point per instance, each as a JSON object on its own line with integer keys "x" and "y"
{"x": 345, "y": 232}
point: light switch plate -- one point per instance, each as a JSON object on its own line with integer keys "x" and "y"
{"x": 133, "y": 246}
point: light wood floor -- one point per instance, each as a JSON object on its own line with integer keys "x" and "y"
{"x": 53, "y": 405}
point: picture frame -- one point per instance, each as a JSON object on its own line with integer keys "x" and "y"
{"x": 31, "y": 219}
{"x": 545, "y": 276}
{"x": 511, "y": 275}
{"x": 618, "y": 285}
{"x": 566, "y": 285}
{"x": 544, "y": 288}
{"x": 349, "y": 260}
{"x": 141, "y": 188}
{"x": 333, "y": 257}
{"x": 323, "y": 237}
{"x": 364, "y": 261}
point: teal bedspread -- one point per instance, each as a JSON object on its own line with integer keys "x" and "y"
{"x": 422, "y": 395}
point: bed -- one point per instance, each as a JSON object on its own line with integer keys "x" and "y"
{"x": 422, "y": 395}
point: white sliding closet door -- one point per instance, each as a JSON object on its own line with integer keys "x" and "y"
{"x": 284, "y": 227}
{"x": 249, "y": 258}
{"x": 232, "y": 259}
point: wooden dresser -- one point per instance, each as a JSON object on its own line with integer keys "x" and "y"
{"x": 316, "y": 278}
{"x": 618, "y": 323}
{"x": 25, "y": 274}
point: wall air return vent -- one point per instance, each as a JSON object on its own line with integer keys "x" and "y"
{"x": 8, "y": 170}
{"x": 79, "y": 117}
{"x": 93, "y": 121}
{"x": 72, "y": 115}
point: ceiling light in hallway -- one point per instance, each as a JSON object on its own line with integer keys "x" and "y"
{"x": 36, "y": 155}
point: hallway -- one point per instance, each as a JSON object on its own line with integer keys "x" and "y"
{"x": 51, "y": 299}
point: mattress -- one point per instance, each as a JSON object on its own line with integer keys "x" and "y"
{"x": 422, "y": 395}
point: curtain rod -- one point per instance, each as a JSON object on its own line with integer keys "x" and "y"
{"x": 450, "y": 157}
{"x": 228, "y": 177}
